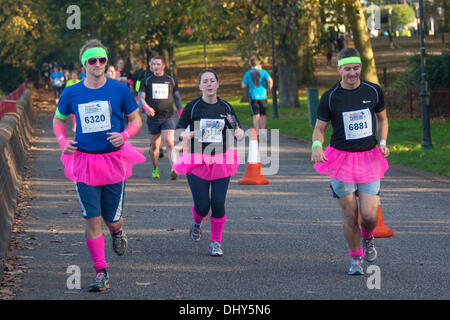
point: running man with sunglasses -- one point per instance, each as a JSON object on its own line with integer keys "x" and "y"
{"x": 99, "y": 160}
{"x": 353, "y": 160}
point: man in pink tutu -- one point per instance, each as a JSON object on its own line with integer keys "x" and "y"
{"x": 353, "y": 160}
{"x": 98, "y": 160}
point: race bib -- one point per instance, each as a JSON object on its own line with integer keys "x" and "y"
{"x": 357, "y": 124}
{"x": 160, "y": 91}
{"x": 95, "y": 116}
{"x": 210, "y": 130}
{"x": 57, "y": 83}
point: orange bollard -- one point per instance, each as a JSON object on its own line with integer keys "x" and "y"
{"x": 253, "y": 173}
{"x": 381, "y": 231}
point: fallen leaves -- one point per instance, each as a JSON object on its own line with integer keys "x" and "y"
{"x": 13, "y": 268}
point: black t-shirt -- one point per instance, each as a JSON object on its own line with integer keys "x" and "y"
{"x": 159, "y": 92}
{"x": 209, "y": 123}
{"x": 352, "y": 115}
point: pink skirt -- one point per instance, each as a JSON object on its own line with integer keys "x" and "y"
{"x": 102, "y": 169}
{"x": 208, "y": 167}
{"x": 353, "y": 167}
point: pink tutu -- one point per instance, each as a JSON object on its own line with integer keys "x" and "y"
{"x": 353, "y": 167}
{"x": 208, "y": 167}
{"x": 102, "y": 169}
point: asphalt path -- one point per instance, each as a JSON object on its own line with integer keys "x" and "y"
{"x": 281, "y": 241}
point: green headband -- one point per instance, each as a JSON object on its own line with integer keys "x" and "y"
{"x": 93, "y": 53}
{"x": 349, "y": 60}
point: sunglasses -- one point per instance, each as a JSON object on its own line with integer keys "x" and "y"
{"x": 93, "y": 61}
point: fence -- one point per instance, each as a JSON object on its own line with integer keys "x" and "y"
{"x": 16, "y": 129}
{"x": 8, "y": 104}
{"x": 402, "y": 103}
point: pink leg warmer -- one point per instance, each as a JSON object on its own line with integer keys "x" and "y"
{"x": 358, "y": 253}
{"x": 196, "y": 217}
{"x": 365, "y": 234}
{"x": 97, "y": 250}
{"x": 217, "y": 228}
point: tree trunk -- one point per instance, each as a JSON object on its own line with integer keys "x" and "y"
{"x": 287, "y": 74}
{"x": 245, "y": 92}
{"x": 172, "y": 63}
{"x": 355, "y": 15}
{"x": 311, "y": 22}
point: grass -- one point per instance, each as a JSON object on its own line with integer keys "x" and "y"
{"x": 218, "y": 52}
{"x": 405, "y": 134}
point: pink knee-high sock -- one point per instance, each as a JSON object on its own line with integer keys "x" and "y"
{"x": 97, "y": 250}
{"x": 358, "y": 253}
{"x": 217, "y": 228}
{"x": 365, "y": 234}
{"x": 196, "y": 217}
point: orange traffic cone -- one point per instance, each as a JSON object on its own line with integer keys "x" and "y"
{"x": 381, "y": 231}
{"x": 253, "y": 173}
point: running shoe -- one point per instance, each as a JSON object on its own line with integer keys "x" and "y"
{"x": 195, "y": 232}
{"x": 356, "y": 267}
{"x": 119, "y": 242}
{"x": 369, "y": 249}
{"x": 101, "y": 282}
{"x": 173, "y": 175}
{"x": 215, "y": 249}
{"x": 155, "y": 173}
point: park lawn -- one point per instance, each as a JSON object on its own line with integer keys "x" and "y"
{"x": 404, "y": 139}
{"x": 217, "y": 53}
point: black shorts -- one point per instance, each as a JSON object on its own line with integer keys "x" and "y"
{"x": 258, "y": 106}
{"x": 155, "y": 126}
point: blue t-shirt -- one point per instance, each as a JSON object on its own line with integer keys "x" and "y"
{"x": 97, "y": 112}
{"x": 258, "y": 91}
{"x": 57, "y": 79}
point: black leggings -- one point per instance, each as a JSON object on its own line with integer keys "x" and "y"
{"x": 200, "y": 194}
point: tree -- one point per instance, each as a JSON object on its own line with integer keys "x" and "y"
{"x": 357, "y": 21}
{"x": 401, "y": 15}
{"x": 254, "y": 38}
{"x": 22, "y": 25}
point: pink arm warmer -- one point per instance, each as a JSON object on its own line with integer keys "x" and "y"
{"x": 130, "y": 131}
{"x": 60, "y": 132}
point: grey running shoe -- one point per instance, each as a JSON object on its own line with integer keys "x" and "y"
{"x": 369, "y": 249}
{"x": 215, "y": 249}
{"x": 119, "y": 242}
{"x": 101, "y": 282}
{"x": 195, "y": 232}
{"x": 356, "y": 267}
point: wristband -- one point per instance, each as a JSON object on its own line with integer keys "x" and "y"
{"x": 59, "y": 129}
{"x": 316, "y": 143}
{"x": 383, "y": 142}
{"x": 146, "y": 107}
{"x": 130, "y": 131}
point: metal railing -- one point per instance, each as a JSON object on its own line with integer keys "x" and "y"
{"x": 401, "y": 103}
{"x": 8, "y": 104}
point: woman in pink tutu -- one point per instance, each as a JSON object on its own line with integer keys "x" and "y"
{"x": 208, "y": 159}
{"x": 353, "y": 160}
{"x": 98, "y": 160}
